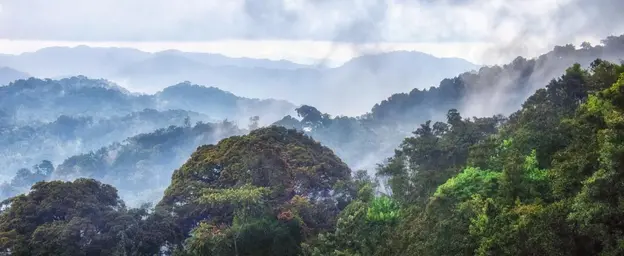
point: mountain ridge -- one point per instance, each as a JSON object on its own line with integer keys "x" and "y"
{"x": 147, "y": 72}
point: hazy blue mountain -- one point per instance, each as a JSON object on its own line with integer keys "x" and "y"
{"x": 44, "y": 100}
{"x": 99, "y": 62}
{"x": 374, "y": 76}
{"x": 212, "y": 59}
{"x": 54, "y": 62}
{"x": 220, "y": 104}
{"x": 8, "y": 75}
{"x": 25, "y": 101}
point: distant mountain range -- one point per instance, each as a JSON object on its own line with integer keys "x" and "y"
{"x": 372, "y": 77}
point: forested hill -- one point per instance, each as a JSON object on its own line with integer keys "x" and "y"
{"x": 53, "y": 120}
{"x": 33, "y": 99}
{"x": 140, "y": 166}
{"x": 492, "y": 90}
{"x": 366, "y": 140}
{"x": 548, "y": 181}
{"x": 545, "y": 180}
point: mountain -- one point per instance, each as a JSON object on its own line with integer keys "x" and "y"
{"x": 54, "y": 119}
{"x": 403, "y": 62}
{"x": 8, "y": 75}
{"x": 366, "y": 140}
{"x": 56, "y": 62}
{"x": 286, "y": 162}
{"x": 101, "y": 62}
{"x": 145, "y": 161}
{"x": 545, "y": 181}
{"x": 220, "y": 104}
{"x": 215, "y": 60}
{"x": 496, "y": 89}
{"x": 44, "y": 100}
{"x": 378, "y": 75}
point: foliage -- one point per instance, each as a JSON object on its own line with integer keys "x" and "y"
{"x": 383, "y": 209}
{"x": 253, "y": 230}
{"x": 547, "y": 180}
{"x": 285, "y": 162}
{"x": 83, "y": 217}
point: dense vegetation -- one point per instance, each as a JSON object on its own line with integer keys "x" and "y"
{"x": 545, "y": 180}
{"x": 296, "y": 169}
{"x": 83, "y": 217}
{"x": 258, "y": 194}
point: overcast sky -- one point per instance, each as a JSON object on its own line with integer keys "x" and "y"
{"x": 483, "y": 31}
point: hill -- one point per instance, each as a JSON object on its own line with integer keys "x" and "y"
{"x": 139, "y": 166}
{"x": 547, "y": 181}
{"x": 45, "y": 100}
{"x": 366, "y": 140}
{"x": 286, "y": 162}
{"x": 8, "y": 75}
{"x": 496, "y": 89}
{"x": 55, "y": 119}
{"x": 379, "y": 75}
{"x": 29, "y": 144}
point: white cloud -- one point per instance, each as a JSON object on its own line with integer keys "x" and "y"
{"x": 514, "y": 27}
{"x": 349, "y": 20}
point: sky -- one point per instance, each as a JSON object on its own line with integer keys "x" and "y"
{"x": 481, "y": 31}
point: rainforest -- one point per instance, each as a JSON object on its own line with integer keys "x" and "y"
{"x": 108, "y": 150}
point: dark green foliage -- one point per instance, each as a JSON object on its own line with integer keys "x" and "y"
{"x": 287, "y": 162}
{"x": 253, "y": 231}
{"x": 547, "y": 180}
{"x": 435, "y": 154}
{"x": 145, "y": 160}
{"x": 83, "y": 217}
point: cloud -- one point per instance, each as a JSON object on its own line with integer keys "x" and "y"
{"x": 351, "y": 21}
{"x": 515, "y": 27}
